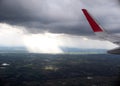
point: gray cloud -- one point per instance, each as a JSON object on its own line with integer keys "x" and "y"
{"x": 59, "y": 16}
{"x": 119, "y": 1}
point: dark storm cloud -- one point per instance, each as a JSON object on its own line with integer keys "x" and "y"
{"x": 57, "y": 16}
{"x": 75, "y": 28}
{"x": 119, "y": 1}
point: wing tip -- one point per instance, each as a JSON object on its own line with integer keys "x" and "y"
{"x": 83, "y": 9}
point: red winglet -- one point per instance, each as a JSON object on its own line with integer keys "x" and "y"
{"x": 92, "y": 22}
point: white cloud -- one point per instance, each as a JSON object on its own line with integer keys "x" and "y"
{"x": 42, "y": 43}
{"x": 10, "y": 35}
{"x": 81, "y": 42}
{"x": 46, "y": 42}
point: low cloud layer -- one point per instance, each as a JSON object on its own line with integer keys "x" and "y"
{"x": 46, "y": 42}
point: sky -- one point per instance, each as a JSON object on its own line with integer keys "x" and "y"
{"x": 47, "y": 25}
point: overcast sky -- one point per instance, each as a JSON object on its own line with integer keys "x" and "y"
{"x": 58, "y": 17}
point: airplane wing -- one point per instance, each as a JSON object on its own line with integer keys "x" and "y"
{"x": 101, "y": 33}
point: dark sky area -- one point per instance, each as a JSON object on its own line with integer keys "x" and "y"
{"x": 60, "y": 16}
